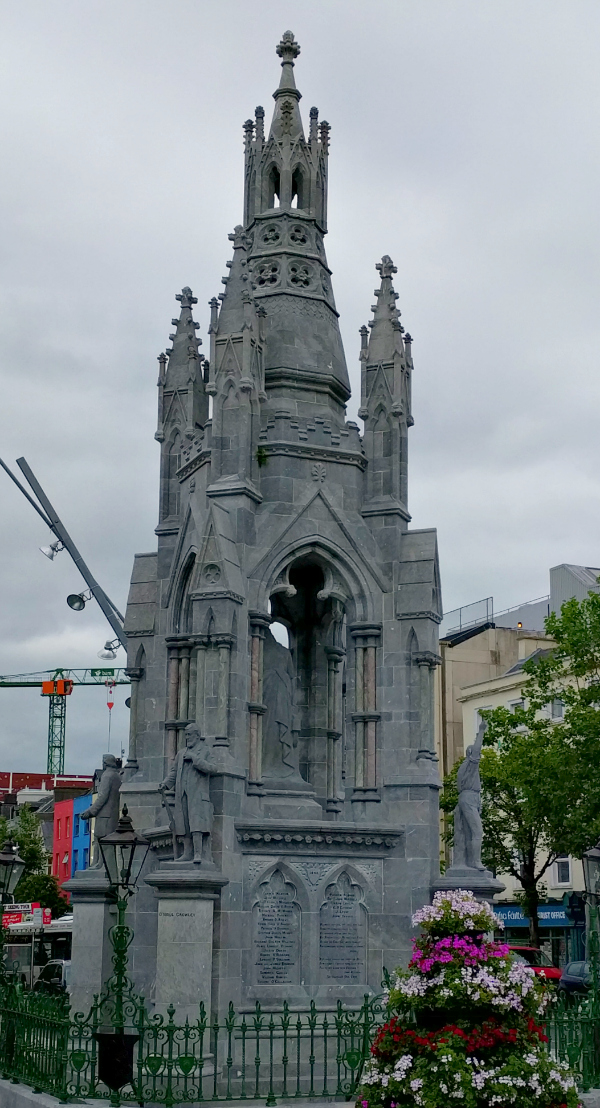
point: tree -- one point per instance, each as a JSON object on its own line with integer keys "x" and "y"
{"x": 540, "y": 788}
{"x": 43, "y": 888}
{"x": 25, "y": 831}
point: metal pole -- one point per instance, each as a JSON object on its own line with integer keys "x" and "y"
{"x": 112, "y": 613}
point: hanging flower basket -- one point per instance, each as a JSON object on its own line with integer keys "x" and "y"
{"x": 466, "y": 1022}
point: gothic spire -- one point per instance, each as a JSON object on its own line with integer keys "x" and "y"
{"x": 386, "y": 330}
{"x": 286, "y": 117}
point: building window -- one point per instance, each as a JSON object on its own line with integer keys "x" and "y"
{"x": 86, "y": 857}
{"x": 75, "y": 860}
{"x": 58, "y": 829}
{"x": 516, "y": 704}
{"x": 563, "y": 869}
{"x": 67, "y": 827}
{"x": 557, "y": 709}
{"x": 75, "y": 827}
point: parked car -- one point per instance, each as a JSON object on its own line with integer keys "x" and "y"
{"x": 576, "y": 977}
{"x": 54, "y": 978}
{"x": 539, "y": 962}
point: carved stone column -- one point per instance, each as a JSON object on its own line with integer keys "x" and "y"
{"x": 427, "y": 661}
{"x": 334, "y": 730}
{"x": 224, "y": 643}
{"x": 135, "y": 675}
{"x": 172, "y": 699}
{"x": 201, "y": 645}
{"x": 185, "y": 649}
{"x": 366, "y": 717}
{"x": 259, "y": 621}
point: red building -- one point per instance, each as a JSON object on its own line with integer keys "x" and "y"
{"x": 63, "y": 839}
{"x": 12, "y": 782}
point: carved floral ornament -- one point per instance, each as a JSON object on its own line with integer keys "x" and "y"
{"x": 270, "y": 272}
{"x": 282, "y": 839}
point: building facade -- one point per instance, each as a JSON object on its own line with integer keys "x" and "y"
{"x": 561, "y": 918}
{"x": 274, "y": 509}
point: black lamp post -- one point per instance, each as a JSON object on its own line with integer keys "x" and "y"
{"x": 591, "y": 877}
{"x": 123, "y": 854}
{"x": 591, "y": 874}
{"x": 11, "y": 868}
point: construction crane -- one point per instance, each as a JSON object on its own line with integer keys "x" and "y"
{"x": 57, "y": 685}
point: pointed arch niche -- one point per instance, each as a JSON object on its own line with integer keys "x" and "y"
{"x": 302, "y": 682}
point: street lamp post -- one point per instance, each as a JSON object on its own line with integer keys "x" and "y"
{"x": 11, "y": 868}
{"x": 591, "y": 876}
{"x": 123, "y": 853}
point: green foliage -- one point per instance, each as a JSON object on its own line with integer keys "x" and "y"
{"x": 25, "y": 831}
{"x": 540, "y": 794}
{"x": 43, "y": 888}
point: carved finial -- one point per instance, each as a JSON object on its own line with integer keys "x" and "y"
{"x": 248, "y": 133}
{"x": 386, "y": 267}
{"x": 314, "y": 119}
{"x": 324, "y": 131}
{"x": 288, "y": 48}
{"x": 186, "y": 298}
{"x": 364, "y": 336}
{"x": 407, "y": 339}
{"x": 259, "y": 115}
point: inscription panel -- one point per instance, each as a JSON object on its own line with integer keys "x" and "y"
{"x": 276, "y": 934}
{"x": 343, "y": 933}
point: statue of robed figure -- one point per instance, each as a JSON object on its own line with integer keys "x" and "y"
{"x": 468, "y": 828}
{"x": 191, "y": 813}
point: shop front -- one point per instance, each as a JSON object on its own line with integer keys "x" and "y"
{"x": 562, "y": 929}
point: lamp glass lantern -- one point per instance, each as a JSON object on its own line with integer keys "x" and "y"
{"x": 591, "y": 873}
{"x": 11, "y": 868}
{"x": 123, "y": 853}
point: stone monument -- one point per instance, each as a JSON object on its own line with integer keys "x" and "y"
{"x": 467, "y": 870}
{"x": 275, "y": 511}
{"x": 191, "y": 818}
{"x": 105, "y": 808}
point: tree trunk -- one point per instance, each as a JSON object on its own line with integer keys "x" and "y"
{"x": 531, "y": 900}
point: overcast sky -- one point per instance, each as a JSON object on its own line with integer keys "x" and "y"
{"x": 464, "y": 143}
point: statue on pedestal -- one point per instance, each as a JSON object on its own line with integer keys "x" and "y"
{"x": 105, "y": 808}
{"x": 280, "y": 745}
{"x": 468, "y": 828}
{"x": 191, "y": 812}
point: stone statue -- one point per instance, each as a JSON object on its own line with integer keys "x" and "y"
{"x": 192, "y": 812}
{"x": 105, "y": 808}
{"x": 468, "y": 829}
{"x": 280, "y": 747}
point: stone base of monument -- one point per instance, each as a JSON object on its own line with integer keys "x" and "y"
{"x": 186, "y": 895}
{"x": 481, "y": 882}
{"x": 93, "y": 916}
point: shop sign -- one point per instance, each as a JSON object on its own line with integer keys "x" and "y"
{"x": 548, "y": 916}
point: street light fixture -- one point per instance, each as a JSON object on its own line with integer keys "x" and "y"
{"x": 123, "y": 854}
{"x": 11, "y": 868}
{"x": 52, "y": 550}
{"x": 109, "y": 653}
{"x": 78, "y": 600}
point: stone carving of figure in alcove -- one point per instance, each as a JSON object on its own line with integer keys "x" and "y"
{"x": 280, "y": 747}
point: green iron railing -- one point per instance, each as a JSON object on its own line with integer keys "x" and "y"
{"x": 254, "y": 1055}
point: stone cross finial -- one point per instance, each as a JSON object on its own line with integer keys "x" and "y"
{"x": 288, "y": 48}
{"x": 186, "y": 297}
{"x": 386, "y": 267}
